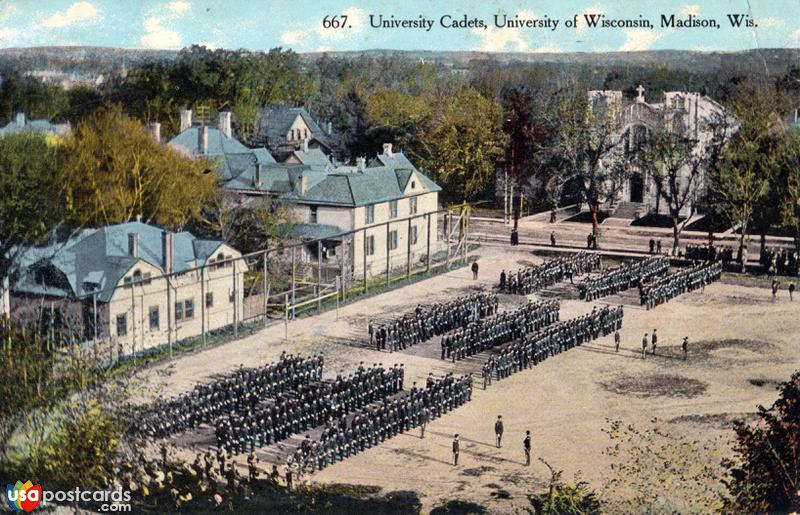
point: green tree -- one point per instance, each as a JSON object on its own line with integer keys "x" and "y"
{"x": 764, "y": 475}
{"x": 31, "y": 204}
{"x": 564, "y": 498}
{"x": 112, "y": 171}
{"x": 785, "y": 160}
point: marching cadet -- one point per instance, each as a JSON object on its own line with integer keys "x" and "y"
{"x": 456, "y": 449}
{"x": 644, "y": 345}
{"x": 526, "y": 446}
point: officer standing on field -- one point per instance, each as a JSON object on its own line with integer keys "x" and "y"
{"x": 526, "y": 445}
{"x": 498, "y": 431}
{"x": 456, "y": 449}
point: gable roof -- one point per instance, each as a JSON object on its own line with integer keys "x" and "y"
{"x": 312, "y": 156}
{"x": 275, "y": 120}
{"x": 101, "y": 256}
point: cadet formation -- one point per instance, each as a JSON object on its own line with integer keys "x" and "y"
{"x": 666, "y": 288}
{"x": 615, "y": 280}
{"x": 533, "y": 348}
{"x": 375, "y": 424}
{"x": 534, "y": 278}
{"x": 434, "y": 320}
{"x": 236, "y": 392}
{"x": 499, "y": 329}
{"x": 251, "y": 408}
{"x": 306, "y": 407}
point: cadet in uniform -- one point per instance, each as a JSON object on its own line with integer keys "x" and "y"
{"x": 456, "y": 449}
{"x": 498, "y": 431}
{"x": 526, "y": 445}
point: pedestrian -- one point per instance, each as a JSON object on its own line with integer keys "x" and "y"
{"x": 775, "y": 285}
{"x": 654, "y": 340}
{"x": 474, "y": 270}
{"x": 502, "y": 280}
{"x": 652, "y": 246}
{"x": 289, "y": 473}
{"x": 498, "y": 431}
{"x": 372, "y": 334}
{"x": 616, "y": 341}
{"x": 526, "y": 445}
{"x": 685, "y": 347}
{"x": 456, "y": 449}
{"x": 252, "y": 467}
{"x": 589, "y": 239}
{"x": 552, "y": 238}
{"x": 644, "y": 345}
{"x": 658, "y": 247}
{"x": 791, "y": 291}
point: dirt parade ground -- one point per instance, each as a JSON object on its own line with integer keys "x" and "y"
{"x": 741, "y": 344}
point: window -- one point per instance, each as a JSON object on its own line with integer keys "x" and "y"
{"x": 210, "y": 300}
{"x": 370, "y": 214}
{"x": 369, "y": 243}
{"x": 393, "y": 240}
{"x": 179, "y": 310}
{"x": 413, "y": 184}
{"x": 412, "y": 205}
{"x": 393, "y": 209}
{"x": 413, "y": 235}
{"x": 137, "y": 276}
{"x": 122, "y": 325}
{"x": 305, "y": 133}
{"x": 127, "y": 282}
{"x": 155, "y": 319}
{"x": 313, "y": 214}
{"x": 188, "y": 309}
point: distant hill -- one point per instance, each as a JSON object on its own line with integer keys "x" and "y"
{"x": 91, "y": 61}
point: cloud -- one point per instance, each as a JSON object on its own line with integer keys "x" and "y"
{"x": 76, "y": 12}
{"x": 294, "y": 37}
{"x": 8, "y": 36}
{"x": 690, "y": 10}
{"x": 549, "y": 49}
{"x": 595, "y": 9}
{"x": 639, "y": 39}
{"x": 355, "y": 24}
{"x": 494, "y": 39}
{"x": 178, "y": 7}
{"x": 7, "y": 11}
{"x": 158, "y": 36}
{"x": 209, "y": 45}
{"x": 770, "y": 21}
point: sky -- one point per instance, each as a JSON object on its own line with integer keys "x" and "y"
{"x": 298, "y": 24}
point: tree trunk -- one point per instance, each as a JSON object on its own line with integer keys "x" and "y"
{"x": 594, "y": 221}
{"x": 676, "y": 235}
{"x": 743, "y": 246}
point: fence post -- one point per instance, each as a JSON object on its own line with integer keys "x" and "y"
{"x": 365, "y": 260}
{"x": 319, "y": 274}
{"x": 203, "y": 317}
{"x": 235, "y": 304}
{"x": 449, "y": 230}
{"x": 388, "y": 224}
{"x": 428, "y": 258}
{"x": 286, "y": 316}
{"x": 294, "y": 271}
{"x": 169, "y": 313}
{"x": 342, "y": 269}
{"x": 133, "y": 320}
{"x": 408, "y": 256}
{"x": 265, "y": 286}
{"x": 464, "y": 229}
{"x": 338, "y": 284}
{"x": 94, "y": 317}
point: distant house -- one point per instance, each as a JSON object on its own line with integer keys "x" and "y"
{"x": 145, "y": 282}
{"x": 21, "y": 124}
{"x": 283, "y": 129}
{"x": 237, "y": 163}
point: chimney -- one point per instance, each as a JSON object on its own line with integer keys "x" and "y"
{"x": 20, "y": 119}
{"x": 303, "y": 186}
{"x": 257, "y": 181}
{"x": 154, "y": 128}
{"x": 133, "y": 244}
{"x": 225, "y": 123}
{"x": 361, "y": 164}
{"x": 305, "y": 145}
{"x": 329, "y": 128}
{"x": 387, "y": 149}
{"x": 795, "y": 116}
{"x": 166, "y": 251}
{"x": 202, "y": 143}
{"x": 186, "y": 118}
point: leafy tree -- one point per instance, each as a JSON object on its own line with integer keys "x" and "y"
{"x": 30, "y": 205}
{"x": 785, "y": 160}
{"x": 764, "y": 475}
{"x": 658, "y": 471}
{"x": 565, "y": 498}
{"x": 587, "y": 150}
{"x": 112, "y": 171}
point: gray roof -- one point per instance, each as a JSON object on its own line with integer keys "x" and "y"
{"x": 317, "y": 232}
{"x": 274, "y": 122}
{"x": 234, "y": 158}
{"x": 101, "y": 256}
{"x": 312, "y": 156}
{"x": 21, "y": 123}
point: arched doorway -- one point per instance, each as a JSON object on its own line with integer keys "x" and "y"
{"x": 636, "y": 187}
